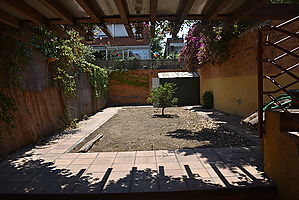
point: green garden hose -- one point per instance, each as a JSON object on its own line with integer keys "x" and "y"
{"x": 287, "y": 100}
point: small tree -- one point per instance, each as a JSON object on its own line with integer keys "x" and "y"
{"x": 162, "y": 96}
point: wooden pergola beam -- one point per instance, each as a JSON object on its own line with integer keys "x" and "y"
{"x": 28, "y": 11}
{"x": 95, "y": 14}
{"x": 123, "y": 11}
{"x": 67, "y": 18}
{"x": 106, "y": 30}
{"x": 182, "y": 12}
{"x": 274, "y": 12}
{"x": 37, "y": 18}
{"x": 213, "y": 7}
{"x": 87, "y": 7}
{"x": 153, "y": 15}
{"x": 265, "y": 12}
{"x": 243, "y": 11}
{"x": 58, "y": 10}
{"x": 153, "y": 10}
{"x": 9, "y": 19}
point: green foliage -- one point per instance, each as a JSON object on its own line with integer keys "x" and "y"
{"x": 73, "y": 58}
{"x": 209, "y": 42}
{"x": 98, "y": 79}
{"x": 14, "y": 54}
{"x": 134, "y": 80}
{"x": 85, "y": 117}
{"x": 208, "y": 99}
{"x": 72, "y": 123}
{"x": 162, "y": 96}
{"x": 7, "y": 109}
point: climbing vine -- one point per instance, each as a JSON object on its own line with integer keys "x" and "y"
{"x": 134, "y": 80}
{"x": 15, "y": 52}
{"x": 208, "y": 42}
{"x": 98, "y": 78}
{"x": 7, "y": 109}
{"x": 73, "y": 58}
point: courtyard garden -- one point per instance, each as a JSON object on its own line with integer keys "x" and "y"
{"x": 144, "y": 128}
{"x": 130, "y": 99}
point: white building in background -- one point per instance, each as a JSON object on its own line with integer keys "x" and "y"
{"x": 174, "y": 46}
{"x": 123, "y": 46}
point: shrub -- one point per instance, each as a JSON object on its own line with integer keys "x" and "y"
{"x": 208, "y": 99}
{"x": 162, "y": 96}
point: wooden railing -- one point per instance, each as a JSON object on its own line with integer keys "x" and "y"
{"x": 272, "y": 50}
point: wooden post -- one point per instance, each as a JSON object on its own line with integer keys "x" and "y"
{"x": 260, "y": 82}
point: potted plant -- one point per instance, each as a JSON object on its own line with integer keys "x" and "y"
{"x": 51, "y": 59}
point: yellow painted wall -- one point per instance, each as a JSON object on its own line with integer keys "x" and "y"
{"x": 234, "y": 82}
{"x": 235, "y": 95}
{"x": 281, "y": 157}
{"x": 238, "y": 95}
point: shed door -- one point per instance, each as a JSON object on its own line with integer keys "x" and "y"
{"x": 187, "y": 90}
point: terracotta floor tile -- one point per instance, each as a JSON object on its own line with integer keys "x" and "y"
{"x": 124, "y": 176}
{"x": 164, "y": 159}
{"x": 172, "y": 174}
{"x": 145, "y": 153}
{"x": 141, "y": 166}
{"x": 145, "y": 159}
{"x": 164, "y": 153}
{"x": 169, "y": 165}
{"x": 69, "y": 156}
{"x": 122, "y": 167}
{"x": 82, "y": 161}
{"x": 128, "y": 154}
{"x": 200, "y": 174}
{"x": 88, "y": 155}
{"x": 98, "y": 168}
{"x": 124, "y": 160}
{"x": 104, "y": 160}
{"x": 107, "y": 154}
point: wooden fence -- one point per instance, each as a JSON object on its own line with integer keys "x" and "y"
{"x": 40, "y": 106}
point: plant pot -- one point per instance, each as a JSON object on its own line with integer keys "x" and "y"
{"x": 52, "y": 59}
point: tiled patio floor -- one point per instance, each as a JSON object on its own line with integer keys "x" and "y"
{"x": 50, "y": 169}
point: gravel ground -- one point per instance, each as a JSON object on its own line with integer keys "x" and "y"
{"x": 142, "y": 128}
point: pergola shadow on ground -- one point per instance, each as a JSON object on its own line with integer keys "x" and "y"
{"x": 47, "y": 171}
{"x": 156, "y": 171}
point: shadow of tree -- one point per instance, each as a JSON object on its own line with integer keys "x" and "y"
{"x": 225, "y": 119}
{"x": 216, "y": 137}
{"x": 165, "y": 116}
{"x": 38, "y": 176}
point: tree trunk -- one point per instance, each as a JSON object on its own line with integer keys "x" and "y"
{"x": 163, "y": 111}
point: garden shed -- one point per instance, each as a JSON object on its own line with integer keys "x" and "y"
{"x": 187, "y": 84}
